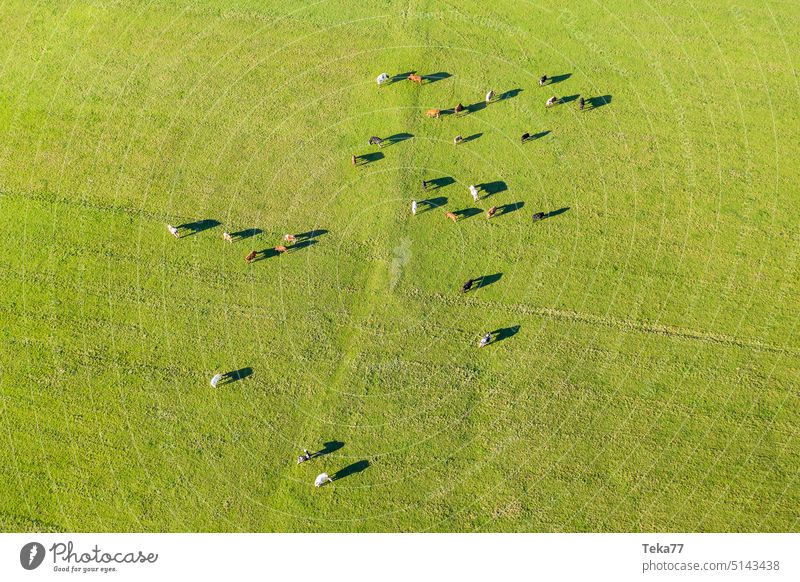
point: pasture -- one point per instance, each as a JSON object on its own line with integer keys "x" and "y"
{"x": 645, "y": 373}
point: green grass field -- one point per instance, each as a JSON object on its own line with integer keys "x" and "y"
{"x": 651, "y": 384}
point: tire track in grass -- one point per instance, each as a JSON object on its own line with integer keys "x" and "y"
{"x": 319, "y": 427}
{"x": 670, "y": 331}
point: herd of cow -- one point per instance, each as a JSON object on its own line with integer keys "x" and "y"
{"x": 299, "y": 240}
{"x": 458, "y": 110}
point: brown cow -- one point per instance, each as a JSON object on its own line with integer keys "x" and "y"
{"x": 289, "y": 238}
{"x": 491, "y": 212}
{"x": 433, "y": 113}
{"x": 353, "y": 159}
{"x": 451, "y": 216}
{"x": 250, "y": 257}
{"x": 459, "y": 108}
{"x": 280, "y": 249}
{"x": 416, "y": 79}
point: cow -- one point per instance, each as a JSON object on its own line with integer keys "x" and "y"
{"x": 452, "y": 216}
{"x": 382, "y": 78}
{"x": 542, "y": 80}
{"x": 458, "y": 139}
{"x": 433, "y": 113}
{"x": 173, "y": 231}
{"x": 491, "y": 212}
{"x": 552, "y": 101}
{"x": 467, "y": 285}
{"x": 538, "y": 216}
{"x": 375, "y": 140}
{"x": 415, "y": 79}
{"x": 353, "y": 160}
{"x": 289, "y": 238}
{"x": 280, "y": 249}
{"x": 489, "y": 96}
{"x": 250, "y": 257}
{"x": 525, "y": 137}
{"x": 459, "y": 108}
{"x": 581, "y": 103}
{"x": 474, "y": 191}
{"x": 227, "y": 236}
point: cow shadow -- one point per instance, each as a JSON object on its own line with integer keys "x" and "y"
{"x": 266, "y": 254}
{"x": 400, "y": 77}
{"x": 568, "y": 99}
{"x": 328, "y": 448}
{"x": 235, "y": 375}
{"x": 365, "y": 159}
{"x": 558, "y": 78}
{"x": 475, "y": 107}
{"x": 595, "y": 102}
{"x": 397, "y": 138}
{"x": 351, "y": 469}
{"x": 536, "y": 136}
{"x": 432, "y": 203}
{"x": 198, "y": 226}
{"x": 302, "y": 244}
{"x": 440, "y": 182}
{"x": 436, "y": 76}
{"x": 503, "y": 333}
{"x": 467, "y": 212}
{"x": 472, "y": 137}
{"x": 247, "y": 233}
{"x": 509, "y": 208}
{"x": 494, "y": 187}
{"x": 486, "y": 280}
{"x": 556, "y": 212}
{"x": 311, "y": 234}
{"x": 509, "y": 94}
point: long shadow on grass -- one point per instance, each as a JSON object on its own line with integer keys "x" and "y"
{"x": 243, "y": 234}
{"x": 509, "y": 208}
{"x": 311, "y": 234}
{"x": 568, "y": 99}
{"x": 353, "y": 469}
{"x": 486, "y": 280}
{"x": 436, "y": 77}
{"x": 493, "y": 187}
{"x": 400, "y": 77}
{"x": 437, "y": 183}
{"x": 431, "y": 203}
{"x": 509, "y": 94}
{"x": 396, "y": 138}
{"x": 365, "y": 159}
{"x": 595, "y": 102}
{"x": 553, "y": 213}
{"x": 536, "y": 136}
{"x": 503, "y": 333}
{"x": 240, "y": 374}
{"x": 558, "y": 78}
{"x": 265, "y": 254}
{"x": 328, "y": 448}
{"x": 467, "y": 212}
{"x": 198, "y": 226}
{"x": 475, "y": 107}
{"x": 472, "y": 137}
{"x": 302, "y": 244}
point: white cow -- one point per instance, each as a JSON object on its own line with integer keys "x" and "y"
{"x": 321, "y": 479}
{"x": 474, "y": 191}
{"x": 382, "y": 78}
